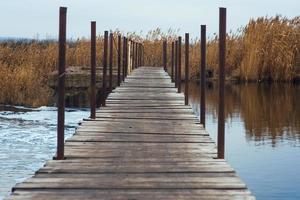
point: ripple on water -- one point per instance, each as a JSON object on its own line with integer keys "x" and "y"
{"x": 28, "y": 139}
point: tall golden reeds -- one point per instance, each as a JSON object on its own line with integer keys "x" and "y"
{"x": 265, "y": 49}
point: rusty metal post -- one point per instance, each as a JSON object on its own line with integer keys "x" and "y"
{"x": 111, "y": 54}
{"x": 124, "y": 58}
{"x": 186, "y": 61}
{"x": 140, "y": 53}
{"x": 165, "y": 55}
{"x": 119, "y": 58}
{"x": 127, "y": 54}
{"x": 172, "y": 62}
{"x": 179, "y": 65}
{"x": 176, "y": 63}
{"x": 222, "y": 56}
{"x": 93, "y": 70}
{"x": 104, "y": 67}
{"x": 143, "y": 53}
{"x": 203, "y": 75}
{"x": 133, "y": 54}
{"x": 61, "y": 83}
{"x": 136, "y": 55}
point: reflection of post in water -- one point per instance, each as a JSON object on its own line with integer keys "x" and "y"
{"x": 269, "y": 112}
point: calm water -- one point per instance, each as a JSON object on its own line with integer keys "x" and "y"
{"x": 28, "y": 140}
{"x": 262, "y": 135}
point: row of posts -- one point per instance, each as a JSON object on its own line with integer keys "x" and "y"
{"x": 129, "y": 54}
{"x": 136, "y": 60}
{"x": 175, "y": 73}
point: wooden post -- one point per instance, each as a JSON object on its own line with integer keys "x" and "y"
{"x": 179, "y": 65}
{"x": 93, "y": 70}
{"x": 104, "y": 67}
{"x": 124, "y": 58}
{"x": 127, "y": 54}
{"x": 119, "y": 58}
{"x": 140, "y": 54}
{"x": 222, "y": 57}
{"x": 176, "y": 64}
{"x": 172, "y": 62}
{"x": 136, "y": 55}
{"x": 165, "y": 55}
{"x": 187, "y": 47}
{"x": 61, "y": 83}
{"x": 203, "y": 75}
{"x": 143, "y": 53}
{"x": 133, "y": 55}
{"x": 111, "y": 46}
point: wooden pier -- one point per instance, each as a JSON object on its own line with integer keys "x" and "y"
{"x": 145, "y": 144}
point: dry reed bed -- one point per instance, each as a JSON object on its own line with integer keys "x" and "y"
{"x": 265, "y": 49}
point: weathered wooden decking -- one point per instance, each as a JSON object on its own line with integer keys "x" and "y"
{"x": 145, "y": 144}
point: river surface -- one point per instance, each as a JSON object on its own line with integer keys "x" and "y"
{"x": 262, "y": 137}
{"x": 28, "y": 140}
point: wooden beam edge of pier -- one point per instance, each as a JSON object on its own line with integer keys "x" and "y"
{"x": 145, "y": 144}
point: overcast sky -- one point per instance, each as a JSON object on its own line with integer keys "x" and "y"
{"x": 29, "y": 18}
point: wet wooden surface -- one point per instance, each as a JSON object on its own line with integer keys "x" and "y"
{"x": 145, "y": 144}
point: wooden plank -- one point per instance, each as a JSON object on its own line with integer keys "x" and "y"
{"x": 145, "y": 144}
{"x": 166, "y": 194}
{"x": 130, "y": 181}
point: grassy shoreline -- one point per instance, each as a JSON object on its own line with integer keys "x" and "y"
{"x": 266, "y": 49}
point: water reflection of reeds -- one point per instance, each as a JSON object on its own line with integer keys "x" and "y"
{"x": 270, "y": 112}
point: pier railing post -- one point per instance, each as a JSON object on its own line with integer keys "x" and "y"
{"x": 119, "y": 58}
{"x": 140, "y": 54}
{"x": 172, "y": 62}
{"x": 61, "y": 83}
{"x": 186, "y": 60}
{"x": 222, "y": 54}
{"x": 179, "y": 65}
{"x": 136, "y": 55}
{"x": 111, "y": 46}
{"x": 133, "y": 55}
{"x": 143, "y": 53}
{"x": 203, "y": 75}
{"x": 127, "y": 59}
{"x": 176, "y": 63}
{"x": 124, "y": 58}
{"x": 165, "y": 55}
{"x": 104, "y": 67}
{"x": 93, "y": 70}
